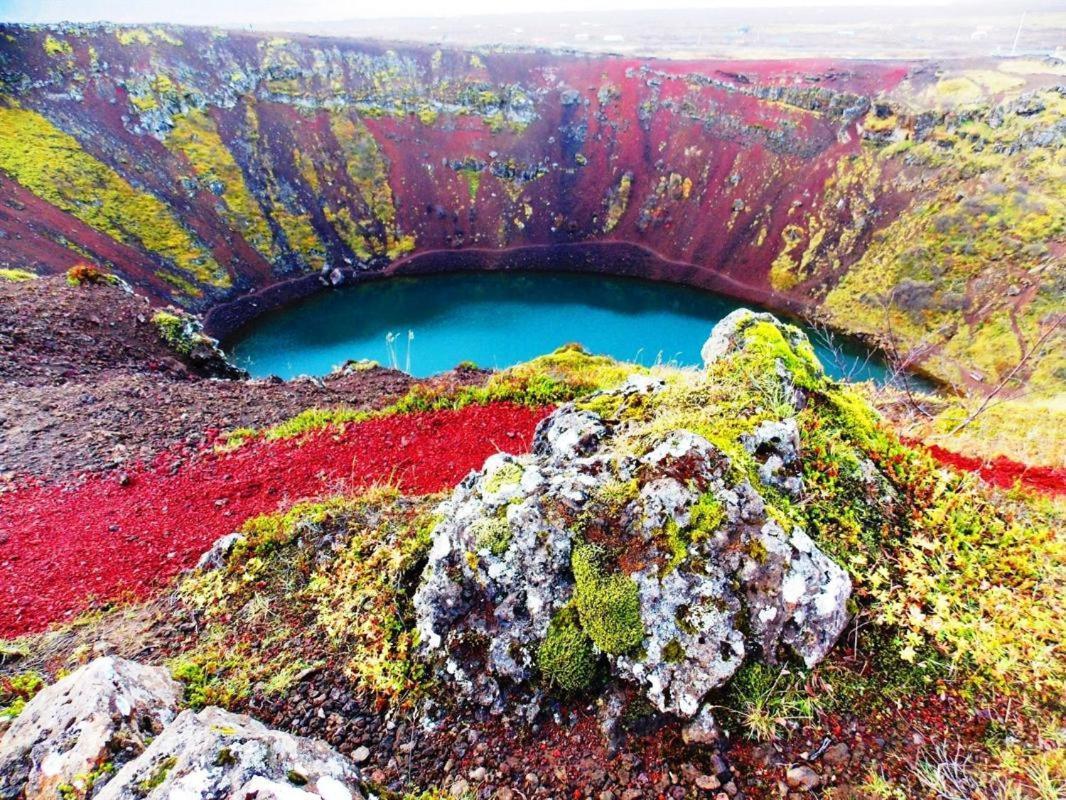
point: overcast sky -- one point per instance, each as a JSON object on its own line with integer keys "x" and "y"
{"x": 239, "y": 12}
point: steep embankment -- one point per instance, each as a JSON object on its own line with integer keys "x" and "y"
{"x": 202, "y": 165}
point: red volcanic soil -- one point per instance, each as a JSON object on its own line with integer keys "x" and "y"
{"x": 108, "y": 536}
{"x": 1002, "y": 471}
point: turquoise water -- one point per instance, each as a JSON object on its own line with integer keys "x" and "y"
{"x": 496, "y": 320}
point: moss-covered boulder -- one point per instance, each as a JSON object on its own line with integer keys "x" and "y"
{"x": 634, "y": 540}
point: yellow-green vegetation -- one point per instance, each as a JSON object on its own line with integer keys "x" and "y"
{"x": 617, "y": 202}
{"x": 953, "y": 585}
{"x": 16, "y": 691}
{"x": 128, "y": 36}
{"x": 277, "y": 609}
{"x": 807, "y": 249}
{"x": 492, "y": 534}
{"x": 195, "y": 136}
{"x": 704, "y": 519}
{"x": 368, "y": 170}
{"x": 16, "y": 275}
{"x": 57, "y": 47}
{"x": 566, "y": 657}
{"x": 968, "y": 275}
{"x": 608, "y": 604}
{"x": 180, "y": 331}
{"x": 52, "y": 165}
{"x": 763, "y": 700}
{"x": 984, "y": 581}
{"x": 293, "y": 219}
{"x": 570, "y": 372}
{"x": 158, "y": 775}
{"x": 967, "y": 586}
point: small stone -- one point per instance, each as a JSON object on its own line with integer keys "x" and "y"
{"x": 361, "y": 754}
{"x": 478, "y": 774}
{"x": 836, "y": 755}
{"x": 459, "y": 788}
{"x": 803, "y": 777}
{"x": 708, "y": 782}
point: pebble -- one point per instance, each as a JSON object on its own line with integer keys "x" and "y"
{"x": 803, "y": 777}
{"x": 708, "y": 782}
{"x": 361, "y": 754}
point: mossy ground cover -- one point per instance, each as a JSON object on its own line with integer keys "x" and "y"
{"x": 570, "y": 372}
{"x": 970, "y": 276}
{"x": 958, "y": 589}
{"x": 196, "y": 137}
{"x": 322, "y": 583}
{"x": 53, "y": 165}
{"x": 956, "y": 586}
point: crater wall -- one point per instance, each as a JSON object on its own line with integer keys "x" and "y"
{"x": 203, "y": 165}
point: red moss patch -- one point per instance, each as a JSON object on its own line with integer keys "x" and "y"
{"x": 65, "y": 546}
{"x": 1002, "y": 471}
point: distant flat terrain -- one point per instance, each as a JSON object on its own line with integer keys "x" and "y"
{"x": 934, "y": 31}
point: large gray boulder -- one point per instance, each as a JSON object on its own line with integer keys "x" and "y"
{"x": 99, "y": 716}
{"x": 716, "y": 578}
{"x": 217, "y": 754}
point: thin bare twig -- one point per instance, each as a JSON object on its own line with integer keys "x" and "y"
{"x": 999, "y": 387}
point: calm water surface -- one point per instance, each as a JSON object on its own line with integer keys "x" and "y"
{"x": 496, "y": 320}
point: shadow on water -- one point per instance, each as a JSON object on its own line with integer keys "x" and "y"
{"x": 499, "y": 319}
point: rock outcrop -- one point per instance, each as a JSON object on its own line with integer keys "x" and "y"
{"x": 103, "y": 714}
{"x": 622, "y": 544}
{"x": 109, "y": 731}
{"x": 216, "y": 753}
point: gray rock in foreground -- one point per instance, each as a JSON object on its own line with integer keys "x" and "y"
{"x": 218, "y": 754}
{"x": 104, "y": 713}
{"x": 114, "y": 714}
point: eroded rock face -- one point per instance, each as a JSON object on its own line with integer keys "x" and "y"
{"x": 216, "y": 753}
{"x": 653, "y": 548}
{"x": 102, "y": 714}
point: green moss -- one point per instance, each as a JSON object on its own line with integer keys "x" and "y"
{"x": 493, "y": 534}
{"x": 561, "y": 376}
{"x": 52, "y": 165}
{"x": 159, "y": 774}
{"x": 181, "y": 331}
{"x": 324, "y": 581}
{"x": 673, "y": 653}
{"x": 57, "y": 47}
{"x": 608, "y": 605}
{"x": 238, "y": 437}
{"x": 314, "y": 419}
{"x": 16, "y": 691}
{"x": 566, "y": 657}
{"x": 507, "y": 475}
{"x": 947, "y": 277}
{"x": 705, "y": 516}
{"x": 368, "y": 171}
{"x": 16, "y": 275}
{"x": 766, "y": 346}
{"x": 195, "y": 136}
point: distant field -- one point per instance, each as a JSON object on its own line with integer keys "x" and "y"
{"x": 936, "y": 31}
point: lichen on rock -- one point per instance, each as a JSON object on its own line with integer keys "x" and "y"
{"x": 74, "y": 731}
{"x": 647, "y": 550}
{"x": 216, "y": 753}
